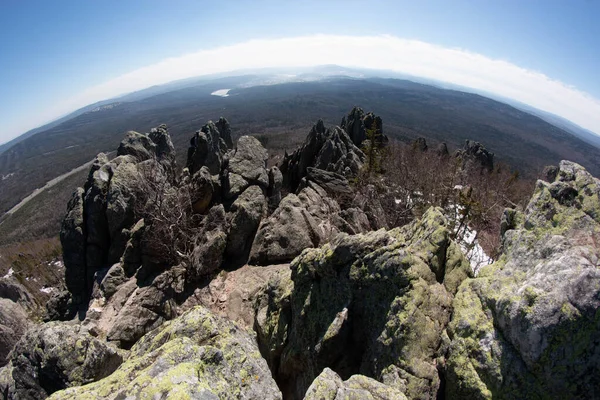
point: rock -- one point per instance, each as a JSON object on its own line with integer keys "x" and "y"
{"x": 225, "y": 132}
{"x": 164, "y": 146}
{"x": 374, "y": 304}
{"x": 329, "y": 385}
{"x": 420, "y": 144}
{"x": 249, "y": 160}
{"x": 55, "y": 356}
{"x": 245, "y": 215}
{"x": 357, "y": 123}
{"x": 474, "y": 153}
{"x": 207, "y": 148}
{"x": 72, "y": 238}
{"x": 335, "y": 185}
{"x": 233, "y": 294}
{"x": 148, "y": 307}
{"x": 301, "y": 221}
{"x": 197, "y": 355}
{"x": 138, "y": 145}
{"x": 529, "y": 322}
{"x": 60, "y": 307}
{"x": 13, "y": 324}
{"x": 112, "y": 280}
{"x": 12, "y": 290}
{"x": 442, "y": 150}
{"x": 330, "y": 150}
{"x": 275, "y": 185}
{"x": 368, "y": 201}
{"x": 210, "y": 244}
{"x": 201, "y": 190}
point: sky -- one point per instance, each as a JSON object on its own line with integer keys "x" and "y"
{"x": 57, "y": 56}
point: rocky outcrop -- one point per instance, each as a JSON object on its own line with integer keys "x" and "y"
{"x": 97, "y": 227}
{"x": 475, "y": 154}
{"x": 420, "y": 144}
{"x": 197, "y": 355}
{"x": 329, "y": 385}
{"x": 207, "y": 147}
{"x": 328, "y": 149}
{"x": 55, "y": 356}
{"x": 375, "y": 304}
{"x": 356, "y": 124}
{"x": 528, "y": 324}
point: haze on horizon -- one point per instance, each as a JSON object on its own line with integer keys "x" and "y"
{"x": 406, "y": 39}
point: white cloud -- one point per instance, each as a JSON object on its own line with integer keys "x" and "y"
{"x": 413, "y": 57}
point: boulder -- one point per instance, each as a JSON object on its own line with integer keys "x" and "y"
{"x": 138, "y": 145}
{"x": 249, "y": 160}
{"x": 275, "y": 185}
{"x": 13, "y": 324}
{"x": 197, "y": 355}
{"x": 528, "y": 324}
{"x": 245, "y": 215}
{"x": 375, "y": 304}
{"x": 442, "y": 150}
{"x": 329, "y": 385}
{"x": 201, "y": 190}
{"x": 55, "y": 356}
{"x": 301, "y": 221}
{"x": 420, "y": 144}
{"x": 60, "y": 307}
{"x": 210, "y": 244}
{"x": 72, "y": 238}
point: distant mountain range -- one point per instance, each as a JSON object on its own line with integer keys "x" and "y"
{"x": 279, "y": 106}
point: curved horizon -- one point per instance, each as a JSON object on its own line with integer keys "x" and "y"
{"x": 385, "y": 52}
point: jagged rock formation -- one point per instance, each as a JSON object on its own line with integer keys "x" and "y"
{"x": 474, "y": 153}
{"x": 95, "y": 230}
{"x": 375, "y": 304}
{"x": 360, "y": 312}
{"x": 420, "y": 144}
{"x": 328, "y": 149}
{"x": 442, "y": 150}
{"x": 197, "y": 355}
{"x": 356, "y": 124}
{"x": 55, "y": 356}
{"x": 528, "y": 324}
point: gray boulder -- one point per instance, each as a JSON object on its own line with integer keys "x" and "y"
{"x": 357, "y": 122}
{"x": 197, "y": 355}
{"x": 207, "y": 148}
{"x": 14, "y": 323}
{"x": 246, "y": 213}
{"x": 210, "y": 244}
{"x": 249, "y": 160}
{"x": 473, "y": 153}
{"x": 329, "y": 385}
{"x": 55, "y": 356}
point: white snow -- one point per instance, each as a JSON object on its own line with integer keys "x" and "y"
{"x": 221, "y": 92}
{"x": 472, "y": 249}
{"x": 9, "y": 273}
{"x": 4, "y": 177}
{"x": 47, "y": 289}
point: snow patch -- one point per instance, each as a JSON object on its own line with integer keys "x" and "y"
{"x": 4, "y": 177}
{"x": 221, "y": 93}
{"x": 47, "y": 290}
{"x": 9, "y": 273}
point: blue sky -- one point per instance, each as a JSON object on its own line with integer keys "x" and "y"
{"x": 54, "y": 50}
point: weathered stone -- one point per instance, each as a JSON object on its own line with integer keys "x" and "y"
{"x": 474, "y": 153}
{"x": 207, "y": 148}
{"x": 13, "y": 324}
{"x": 245, "y": 215}
{"x": 329, "y": 385}
{"x": 197, "y": 355}
{"x": 201, "y": 190}
{"x": 375, "y": 304}
{"x": 112, "y": 280}
{"x": 249, "y": 160}
{"x": 55, "y": 356}
{"x": 137, "y": 145}
{"x": 73, "y": 240}
{"x": 210, "y": 244}
{"x": 528, "y": 324}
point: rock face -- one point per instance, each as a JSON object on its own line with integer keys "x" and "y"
{"x": 197, "y": 355}
{"x": 207, "y": 147}
{"x": 96, "y": 229}
{"x": 375, "y": 304}
{"x": 528, "y": 324}
{"x": 328, "y": 149}
{"x": 474, "y": 152}
{"x": 55, "y": 356}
